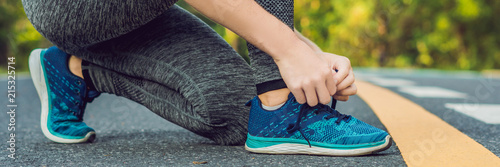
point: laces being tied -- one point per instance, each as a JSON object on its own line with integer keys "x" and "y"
{"x": 88, "y": 97}
{"x": 304, "y": 108}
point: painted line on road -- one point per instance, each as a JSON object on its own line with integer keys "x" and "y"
{"x": 431, "y": 92}
{"x": 491, "y": 73}
{"x": 389, "y": 82}
{"x": 488, "y": 113}
{"x": 423, "y": 138}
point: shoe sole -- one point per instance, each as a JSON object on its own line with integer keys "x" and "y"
{"x": 38, "y": 77}
{"x": 295, "y": 148}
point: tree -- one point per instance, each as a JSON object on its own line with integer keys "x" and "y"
{"x": 445, "y": 34}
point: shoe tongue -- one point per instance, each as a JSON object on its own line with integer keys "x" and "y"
{"x": 91, "y": 95}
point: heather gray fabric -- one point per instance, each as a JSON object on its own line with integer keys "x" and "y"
{"x": 71, "y": 24}
{"x": 174, "y": 64}
{"x": 180, "y": 69}
{"x": 263, "y": 65}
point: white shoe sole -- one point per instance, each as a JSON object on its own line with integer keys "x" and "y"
{"x": 305, "y": 149}
{"x": 38, "y": 78}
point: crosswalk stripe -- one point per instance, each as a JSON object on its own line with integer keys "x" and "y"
{"x": 389, "y": 82}
{"x": 423, "y": 138}
{"x": 488, "y": 113}
{"x": 431, "y": 92}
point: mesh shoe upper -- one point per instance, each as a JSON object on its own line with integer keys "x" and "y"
{"x": 320, "y": 124}
{"x": 68, "y": 95}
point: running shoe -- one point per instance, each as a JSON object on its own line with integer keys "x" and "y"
{"x": 63, "y": 97}
{"x": 320, "y": 130}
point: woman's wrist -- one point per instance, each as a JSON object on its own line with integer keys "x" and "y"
{"x": 310, "y": 43}
{"x": 291, "y": 49}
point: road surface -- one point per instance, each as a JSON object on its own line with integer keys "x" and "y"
{"x": 128, "y": 134}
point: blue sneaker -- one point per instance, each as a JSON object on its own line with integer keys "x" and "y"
{"x": 300, "y": 129}
{"x": 63, "y": 96}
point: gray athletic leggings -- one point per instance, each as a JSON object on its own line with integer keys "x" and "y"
{"x": 162, "y": 57}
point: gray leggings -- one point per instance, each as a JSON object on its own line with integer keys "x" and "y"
{"x": 163, "y": 58}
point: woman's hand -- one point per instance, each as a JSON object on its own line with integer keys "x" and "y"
{"x": 342, "y": 73}
{"x": 341, "y": 66}
{"x": 307, "y": 75}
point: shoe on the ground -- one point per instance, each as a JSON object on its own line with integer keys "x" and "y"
{"x": 300, "y": 129}
{"x": 63, "y": 97}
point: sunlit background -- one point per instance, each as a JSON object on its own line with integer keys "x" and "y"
{"x": 444, "y": 34}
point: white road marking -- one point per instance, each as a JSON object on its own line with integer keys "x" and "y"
{"x": 431, "y": 92}
{"x": 390, "y": 82}
{"x": 488, "y": 113}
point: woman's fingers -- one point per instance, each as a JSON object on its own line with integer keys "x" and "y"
{"x": 331, "y": 85}
{"x": 298, "y": 93}
{"x": 343, "y": 95}
{"x": 348, "y": 81}
{"x": 349, "y": 91}
{"x": 341, "y": 98}
{"x": 311, "y": 94}
{"x": 323, "y": 95}
{"x": 342, "y": 65}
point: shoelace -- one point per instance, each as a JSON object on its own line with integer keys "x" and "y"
{"x": 87, "y": 98}
{"x": 304, "y": 108}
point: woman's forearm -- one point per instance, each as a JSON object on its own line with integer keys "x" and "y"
{"x": 310, "y": 43}
{"x": 249, "y": 20}
{"x": 306, "y": 75}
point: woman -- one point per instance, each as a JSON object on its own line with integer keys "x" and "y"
{"x": 166, "y": 59}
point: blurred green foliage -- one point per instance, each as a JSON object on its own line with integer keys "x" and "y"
{"x": 445, "y": 34}
{"x": 17, "y": 35}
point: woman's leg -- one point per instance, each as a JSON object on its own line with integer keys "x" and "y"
{"x": 271, "y": 88}
{"x": 71, "y": 25}
{"x": 285, "y": 126}
{"x": 74, "y": 24}
{"x": 182, "y": 70}
{"x": 266, "y": 72}
{"x": 179, "y": 68}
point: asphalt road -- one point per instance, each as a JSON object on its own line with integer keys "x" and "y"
{"x": 130, "y": 135}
